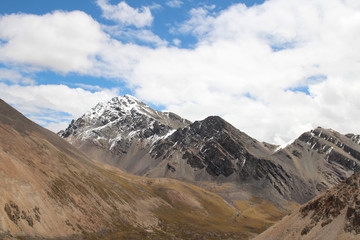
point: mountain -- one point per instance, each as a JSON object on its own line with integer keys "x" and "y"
{"x": 120, "y": 130}
{"x": 215, "y": 155}
{"x": 213, "y": 150}
{"x": 333, "y": 215}
{"x": 51, "y": 190}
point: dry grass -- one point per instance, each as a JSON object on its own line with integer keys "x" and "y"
{"x": 259, "y": 214}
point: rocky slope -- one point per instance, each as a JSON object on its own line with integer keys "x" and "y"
{"x": 212, "y": 150}
{"x": 213, "y": 154}
{"x": 333, "y": 215}
{"x": 50, "y": 190}
{"x": 323, "y": 157}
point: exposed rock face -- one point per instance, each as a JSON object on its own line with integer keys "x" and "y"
{"x": 335, "y": 214}
{"x": 212, "y": 144}
{"x": 216, "y": 150}
{"x": 325, "y": 209}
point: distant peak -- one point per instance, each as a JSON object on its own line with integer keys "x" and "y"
{"x": 211, "y": 123}
{"x": 218, "y": 121}
{"x": 321, "y": 130}
{"x": 214, "y": 119}
{"x": 127, "y": 102}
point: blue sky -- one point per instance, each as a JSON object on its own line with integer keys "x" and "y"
{"x": 272, "y": 68}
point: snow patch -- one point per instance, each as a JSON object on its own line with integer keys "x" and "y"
{"x": 169, "y": 134}
{"x": 329, "y": 150}
{"x": 114, "y": 141}
{"x": 243, "y": 161}
{"x": 284, "y": 145}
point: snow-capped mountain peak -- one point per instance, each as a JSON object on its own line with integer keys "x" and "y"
{"x": 116, "y": 107}
{"x": 122, "y": 122}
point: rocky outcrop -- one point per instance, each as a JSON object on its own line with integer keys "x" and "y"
{"x": 324, "y": 209}
{"x": 15, "y": 215}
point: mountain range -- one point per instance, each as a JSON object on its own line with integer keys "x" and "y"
{"x": 128, "y": 134}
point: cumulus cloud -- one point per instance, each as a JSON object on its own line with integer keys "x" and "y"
{"x": 53, "y": 105}
{"x": 60, "y": 41}
{"x": 13, "y": 76}
{"x": 117, "y": 61}
{"x": 199, "y": 23}
{"x": 131, "y": 23}
{"x": 125, "y": 15}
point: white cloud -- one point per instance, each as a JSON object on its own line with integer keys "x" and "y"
{"x": 117, "y": 60}
{"x": 133, "y": 35}
{"x": 125, "y": 18}
{"x": 68, "y": 42}
{"x": 174, "y": 3}
{"x": 55, "y": 126}
{"x": 60, "y": 41}
{"x": 199, "y": 23}
{"x": 177, "y": 42}
{"x": 125, "y": 15}
{"x": 52, "y": 105}
{"x": 88, "y": 87}
{"x": 148, "y": 37}
{"x": 13, "y": 76}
